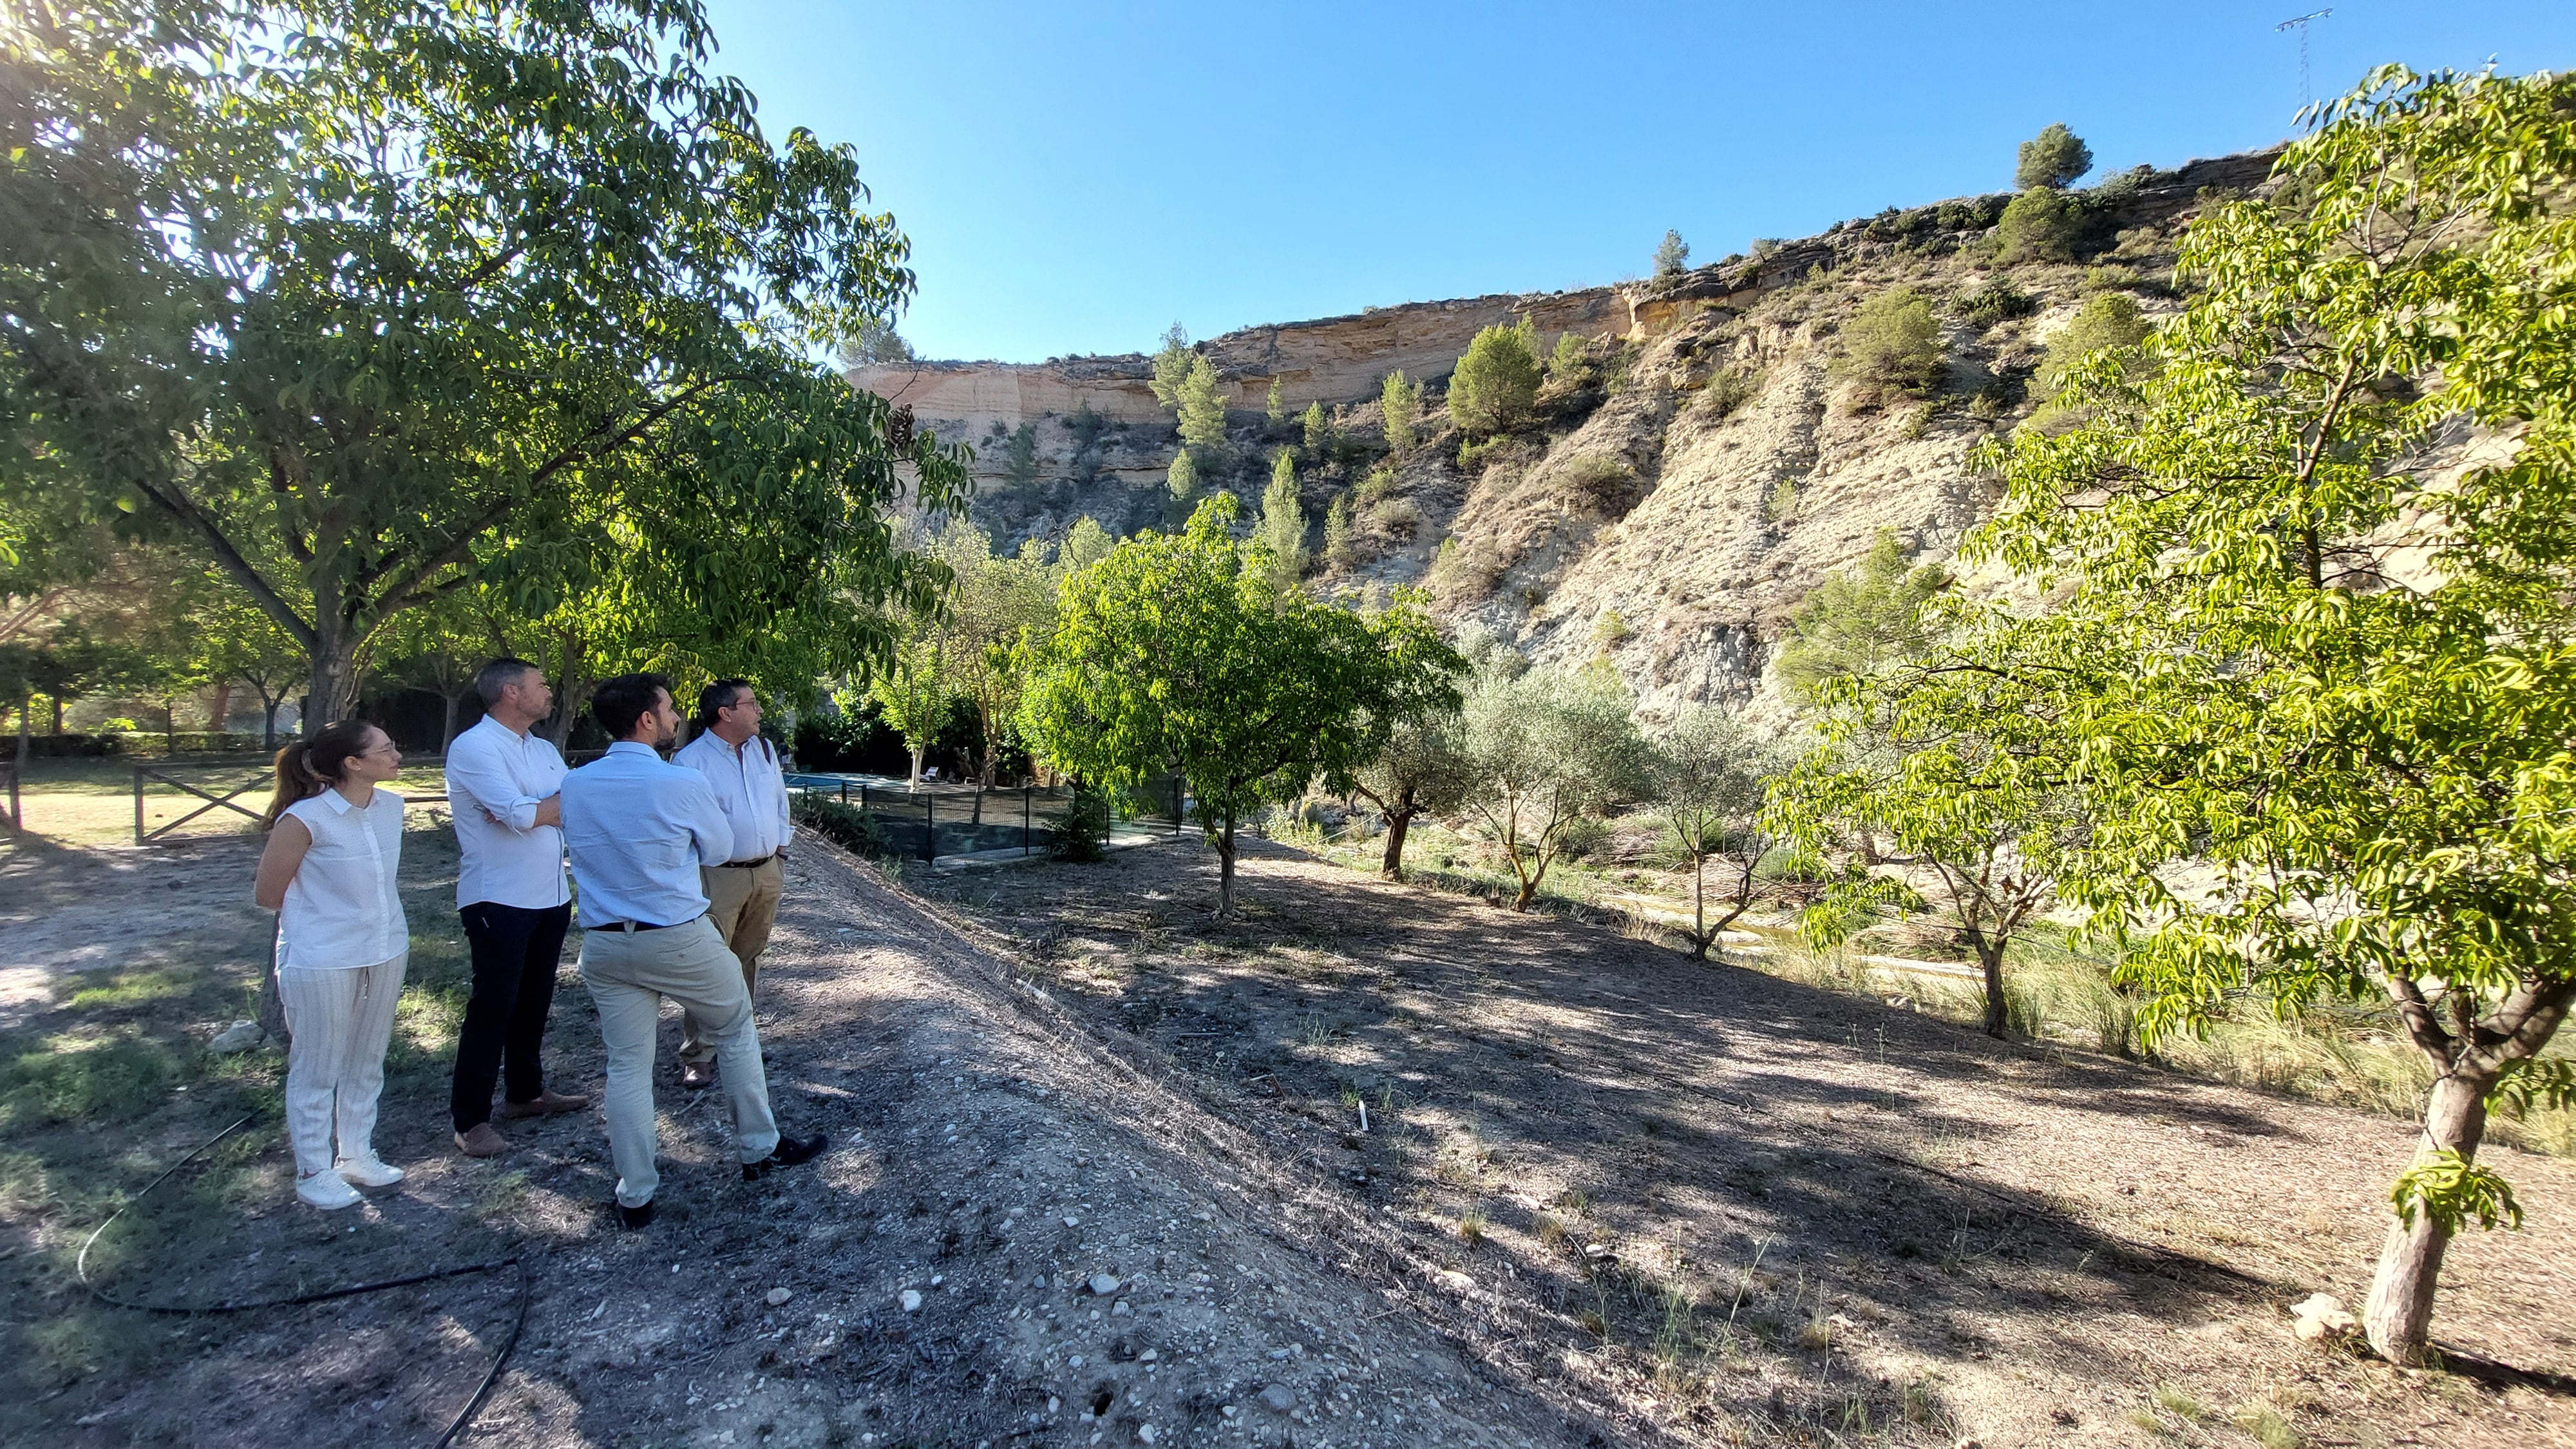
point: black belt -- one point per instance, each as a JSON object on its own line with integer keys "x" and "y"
{"x": 751, "y": 864}
{"x": 631, "y": 927}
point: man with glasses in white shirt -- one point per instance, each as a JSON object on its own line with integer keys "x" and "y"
{"x": 502, "y": 780}
{"x": 742, "y": 893}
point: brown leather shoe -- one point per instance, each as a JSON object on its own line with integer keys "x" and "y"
{"x": 547, "y": 1104}
{"x": 484, "y": 1140}
{"x": 696, "y": 1075}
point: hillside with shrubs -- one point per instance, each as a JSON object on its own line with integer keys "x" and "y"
{"x": 1663, "y": 493}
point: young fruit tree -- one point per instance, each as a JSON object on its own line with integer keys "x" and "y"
{"x": 1178, "y": 652}
{"x": 1417, "y": 760}
{"x": 1547, "y": 747}
{"x": 2318, "y": 573}
{"x": 1711, "y": 778}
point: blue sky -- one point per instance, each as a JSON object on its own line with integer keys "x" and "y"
{"x": 1075, "y": 178}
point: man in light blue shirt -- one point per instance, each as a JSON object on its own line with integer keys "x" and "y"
{"x": 638, "y": 829}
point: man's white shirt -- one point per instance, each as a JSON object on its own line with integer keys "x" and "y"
{"x": 514, "y": 862}
{"x": 749, "y": 787}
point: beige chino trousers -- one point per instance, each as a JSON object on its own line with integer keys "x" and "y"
{"x": 743, "y": 904}
{"x": 628, "y": 976}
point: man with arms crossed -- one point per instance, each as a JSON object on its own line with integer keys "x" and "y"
{"x": 742, "y": 893}
{"x": 639, "y": 829}
{"x": 501, "y": 784}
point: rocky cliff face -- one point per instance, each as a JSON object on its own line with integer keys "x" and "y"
{"x": 1680, "y": 493}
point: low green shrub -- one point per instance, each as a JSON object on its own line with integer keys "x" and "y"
{"x": 1081, "y": 834}
{"x": 847, "y": 826}
{"x": 1997, "y": 301}
{"x": 2042, "y": 224}
{"x": 1728, "y": 389}
{"x": 1892, "y": 345}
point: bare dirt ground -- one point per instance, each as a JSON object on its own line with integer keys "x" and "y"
{"x": 1600, "y": 1196}
{"x": 1097, "y": 1260}
{"x": 1707, "y": 1203}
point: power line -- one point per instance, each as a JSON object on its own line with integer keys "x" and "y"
{"x": 2306, "y": 99}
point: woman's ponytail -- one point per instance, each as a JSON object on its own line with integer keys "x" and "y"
{"x": 306, "y": 767}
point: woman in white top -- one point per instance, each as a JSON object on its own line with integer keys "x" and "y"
{"x": 334, "y": 841}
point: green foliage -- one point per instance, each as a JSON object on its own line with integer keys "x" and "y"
{"x": 1401, "y": 403}
{"x": 1274, "y": 404}
{"x": 1182, "y": 478}
{"x": 1859, "y": 623}
{"x": 1781, "y": 504}
{"x": 1546, "y": 748}
{"x": 1020, "y": 458}
{"x": 1997, "y": 301}
{"x": 1338, "y": 550}
{"x": 2338, "y": 681}
{"x": 1893, "y": 345}
{"x": 1710, "y": 778}
{"x": 912, "y": 694}
{"x": 1729, "y": 389}
{"x": 2528, "y": 1084}
{"x": 2041, "y": 224}
{"x": 1172, "y": 364}
{"x": 871, "y": 341}
{"x": 846, "y": 826}
{"x": 1081, "y": 835}
{"x": 1202, "y": 406}
{"x": 1317, "y": 427}
{"x": 2453, "y": 1190}
{"x": 1177, "y": 652}
{"x": 340, "y": 314}
{"x": 1496, "y": 381}
{"x": 2107, "y": 322}
{"x": 1282, "y": 527}
{"x": 1672, "y": 255}
{"x": 2053, "y": 158}
{"x": 1610, "y": 630}
{"x": 992, "y": 603}
{"x": 1087, "y": 543}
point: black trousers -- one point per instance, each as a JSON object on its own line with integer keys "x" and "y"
{"x": 515, "y": 951}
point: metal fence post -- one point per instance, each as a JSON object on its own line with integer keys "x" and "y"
{"x": 1024, "y": 814}
{"x": 138, "y": 804}
{"x": 930, "y": 827}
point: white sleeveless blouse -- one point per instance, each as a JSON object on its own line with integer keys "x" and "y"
{"x": 343, "y": 908}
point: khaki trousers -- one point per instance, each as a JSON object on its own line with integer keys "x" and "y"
{"x": 628, "y": 976}
{"x": 743, "y": 904}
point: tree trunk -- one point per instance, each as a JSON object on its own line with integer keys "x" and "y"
{"x": 333, "y": 692}
{"x": 1700, "y": 935}
{"x": 446, "y": 724}
{"x": 56, "y": 701}
{"x": 25, "y": 703}
{"x": 917, "y": 752}
{"x": 1393, "y": 866}
{"x": 1225, "y": 869}
{"x": 268, "y": 722}
{"x": 2400, "y": 1310}
{"x": 220, "y": 708}
{"x": 1992, "y": 959}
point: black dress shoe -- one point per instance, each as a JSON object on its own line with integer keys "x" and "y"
{"x": 633, "y": 1217}
{"x": 789, "y": 1152}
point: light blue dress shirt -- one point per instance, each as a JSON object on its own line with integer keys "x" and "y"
{"x": 638, "y": 829}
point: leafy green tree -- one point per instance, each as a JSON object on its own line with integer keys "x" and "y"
{"x": 2041, "y": 224}
{"x": 993, "y": 601}
{"x": 912, "y": 694}
{"x": 2335, "y": 678}
{"x": 1950, "y": 768}
{"x": 1172, "y": 363}
{"x": 1672, "y": 256}
{"x": 1317, "y": 425}
{"x": 342, "y": 305}
{"x": 1893, "y": 344}
{"x": 1859, "y": 622}
{"x": 1338, "y": 550}
{"x": 1175, "y": 652}
{"x": 1202, "y": 406}
{"x": 1547, "y": 748}
{"x": 872, "y": 341}
{"x": 1086, "y": 544}
{"x": 1020, "y": 458}
{"x": 18, "y": 689}
{"x": 1282, "y": 528}
{"x": 2108, "y": 321}
{"x": 2054, "y": 158}
{"x": 1275, "y": 404}
{"x": 1416, "y": 757}
{"x": 1400, "y": 400}
{"x": 244, "y": 646}
{"x": 1182, "y": 478}
{"x": 1711, "y": 781}
{"x": 1496, "y": 381}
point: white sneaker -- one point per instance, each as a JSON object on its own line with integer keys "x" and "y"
{"x": 368, "y": 1171}
{"x": 327, "y": 1191}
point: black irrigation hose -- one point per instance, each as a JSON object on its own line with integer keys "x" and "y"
{"x": 482, "y": 1390}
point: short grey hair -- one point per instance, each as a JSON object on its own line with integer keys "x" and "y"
{"x": 494, "y": 679}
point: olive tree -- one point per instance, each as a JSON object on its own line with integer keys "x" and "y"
{"x": 1710, "y": 780}
{"x": 2338, "y": 672}
{"x": 1547, "y": 747}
